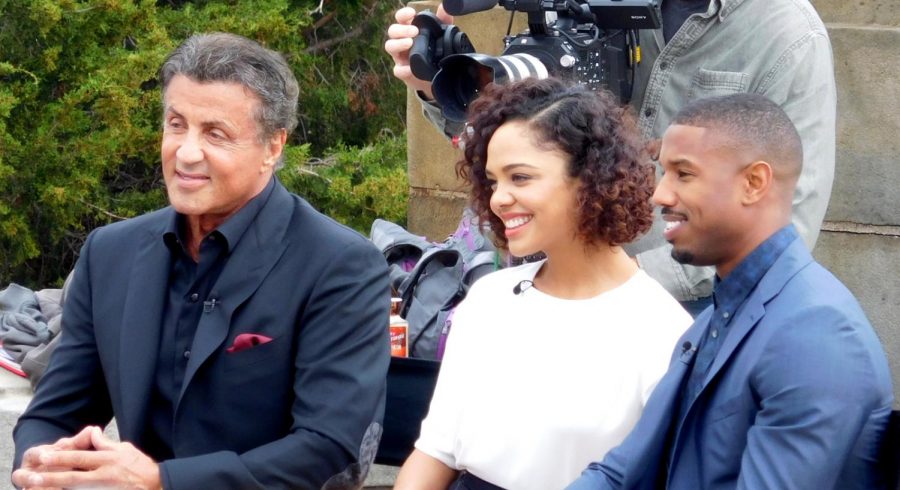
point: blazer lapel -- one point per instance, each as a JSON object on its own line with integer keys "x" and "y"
{"x": 141, "y": 324}
{"x": 661, "y": 413}
{"x": 685, "y": 364}
{"x": 794, "y": 258}
{"x": 249, "y": 262}
{"x": 791, "y": 261}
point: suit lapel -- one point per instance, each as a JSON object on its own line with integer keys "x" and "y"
{"x": 794, "y": 258}
{"x": 788, "y": 264}
{"x": 672, "y": 427}
{"x": 648, "y": 439}
{"x": 249, "y": 262}
{"x": 141, "y": 323}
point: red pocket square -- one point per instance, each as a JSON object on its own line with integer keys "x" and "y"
{"x": 245, "y": 341}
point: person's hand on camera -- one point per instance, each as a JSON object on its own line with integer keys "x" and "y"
{"x": 400, "y": 40}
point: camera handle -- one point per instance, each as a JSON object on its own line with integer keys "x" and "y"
{"x": 434, "y": 42}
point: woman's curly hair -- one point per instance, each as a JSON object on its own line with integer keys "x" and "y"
{"x": 605, "y": 150}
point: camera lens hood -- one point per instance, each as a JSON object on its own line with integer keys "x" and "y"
{"x": 463, "y": 76}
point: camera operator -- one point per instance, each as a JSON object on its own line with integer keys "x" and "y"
{"x": 776, "y": 48}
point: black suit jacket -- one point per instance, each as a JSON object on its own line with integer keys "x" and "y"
{"x": 290, "y": 413}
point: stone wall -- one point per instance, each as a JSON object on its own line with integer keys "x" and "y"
{"x": 860, "y": 241}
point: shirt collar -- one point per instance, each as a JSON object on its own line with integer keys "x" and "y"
{"x": 721, "y": 8}
{"x": 730, "y": 293}
{"x": 231, "y": 231}
{"x": 725, "y": 7}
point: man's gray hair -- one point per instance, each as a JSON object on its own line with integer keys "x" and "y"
{"x": 222, "y": 57}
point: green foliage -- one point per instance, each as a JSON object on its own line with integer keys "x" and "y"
{"x": 80, "y": 112}
{"x": 354, "y": 185}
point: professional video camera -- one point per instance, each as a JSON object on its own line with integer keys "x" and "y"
{"x": 595, "y": 42}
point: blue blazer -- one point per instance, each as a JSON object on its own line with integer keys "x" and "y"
{"x": 797, "y": 397}
{"x": 289, "y": 413}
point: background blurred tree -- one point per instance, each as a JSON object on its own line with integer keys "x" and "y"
{"x": 80, "y": 112}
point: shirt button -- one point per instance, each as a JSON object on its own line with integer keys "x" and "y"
{"x": 663, "y": 66}
{"x": 194, "y": 297}
{"x": 187, "y": 354}
{"x": 725, "y": 315}
{"x": 648, "y": 112}
{"x": 714, "y": 333}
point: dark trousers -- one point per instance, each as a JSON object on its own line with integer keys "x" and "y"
{"x": 468, "y": 481}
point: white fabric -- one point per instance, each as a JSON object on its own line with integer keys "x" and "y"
{"x": 533, "y": 388}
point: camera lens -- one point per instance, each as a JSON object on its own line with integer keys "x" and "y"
{"x": 463, "y": 76}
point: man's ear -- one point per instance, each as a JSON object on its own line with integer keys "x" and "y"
{"x": 275, "y": 149}
{"x": 757, "y": 181}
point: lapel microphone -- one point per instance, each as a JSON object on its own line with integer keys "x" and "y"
{"x": 209, "y": 306}
{"x": 522, "y": 287}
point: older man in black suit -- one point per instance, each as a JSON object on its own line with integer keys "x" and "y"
{"x": 238, "y": 336}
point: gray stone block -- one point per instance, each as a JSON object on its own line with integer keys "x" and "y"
{"x": 11, "y": 406}
{"x": 869, "y": 265}
{"x": 880, "y": 12}
{"x": 434, "y": 215}
{"x": 431, "y": 157}
{"x": 381, "y": 477}
{"x": 10, "y": 384}
{"x": 15, "y": 393}
{"x": 867, "y": 171}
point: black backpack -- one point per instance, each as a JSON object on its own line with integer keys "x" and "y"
{"x": 432, "y": 278}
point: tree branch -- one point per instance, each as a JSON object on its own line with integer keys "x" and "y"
{"x": 98, "y": 208}
{"x": 329, "y": 43}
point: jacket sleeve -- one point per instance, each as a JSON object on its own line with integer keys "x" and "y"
{"x": 72, "y": 393}
{"x": 341, "y": 365}
{"x": 432, "y": 111}
{"x": 817, "y": 395}
{"x": 603, "y": 475}
{"x": 684, "y": 282}
{"x": 802, "y": 83}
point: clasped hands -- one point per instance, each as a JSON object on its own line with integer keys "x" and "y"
{"x": 88, "y": 460}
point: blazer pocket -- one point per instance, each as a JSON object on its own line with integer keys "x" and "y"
{"x": 711, "y": 83}
{"x": 253, "y": 355}
{"x": 722, "y": 411}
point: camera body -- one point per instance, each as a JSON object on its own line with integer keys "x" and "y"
{"x": 594, "y": 42}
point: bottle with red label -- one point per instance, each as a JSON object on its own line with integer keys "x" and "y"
{"x": 399, "y": 329}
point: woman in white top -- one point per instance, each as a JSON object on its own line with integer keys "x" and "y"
{"x": 549, "y": 364}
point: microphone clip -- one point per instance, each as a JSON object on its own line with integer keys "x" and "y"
{"x": 209, "y": 306}
{"x": 522, "y": 286}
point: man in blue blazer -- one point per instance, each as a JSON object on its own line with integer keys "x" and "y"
{"x": 238, "y": 336}
{"x": 782, "y": 383}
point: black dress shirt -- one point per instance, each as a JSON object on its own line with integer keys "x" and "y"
{"x": 191, "y": 293}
